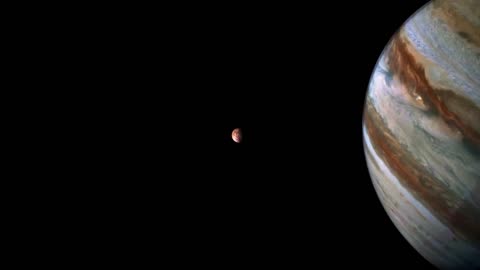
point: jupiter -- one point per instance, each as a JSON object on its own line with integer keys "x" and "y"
{"x": 421, "y": 132}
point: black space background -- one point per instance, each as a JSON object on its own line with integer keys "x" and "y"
{"x": 161, "y": 91}
{"x": 297, "y": 189}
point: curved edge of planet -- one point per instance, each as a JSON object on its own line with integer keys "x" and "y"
{"x": 421, "y": 132}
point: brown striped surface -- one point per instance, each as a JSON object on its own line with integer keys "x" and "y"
{"x": 422, "y": 132}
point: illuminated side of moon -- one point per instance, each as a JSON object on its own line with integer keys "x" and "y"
{"x": 237, "y": 135}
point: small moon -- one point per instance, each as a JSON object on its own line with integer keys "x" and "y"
{"x": 237, "y": 135}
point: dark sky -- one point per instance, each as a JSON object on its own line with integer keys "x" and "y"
{"x": 297, "y": 189}
{"x": 144, "y": 148}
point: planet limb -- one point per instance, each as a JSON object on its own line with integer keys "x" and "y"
{"x": 421, "y": 132}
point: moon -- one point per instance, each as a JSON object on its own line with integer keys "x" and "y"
{"x": 237, "y": 135}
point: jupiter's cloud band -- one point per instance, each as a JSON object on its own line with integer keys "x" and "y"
{"x": 422, "y": 132}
